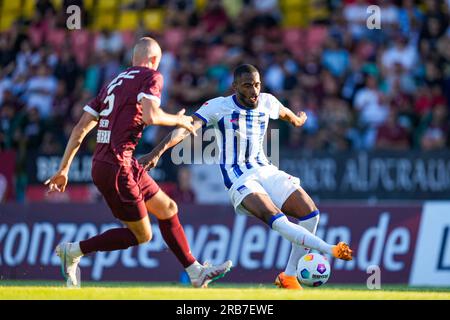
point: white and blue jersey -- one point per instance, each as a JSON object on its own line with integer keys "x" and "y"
{"x": 242, "y": 132}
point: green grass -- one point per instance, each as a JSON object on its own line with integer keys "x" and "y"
{"x": 54, "y": 290}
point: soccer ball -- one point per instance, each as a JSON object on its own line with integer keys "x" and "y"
{"x": 313, "y": 270}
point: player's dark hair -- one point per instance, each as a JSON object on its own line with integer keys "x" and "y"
{"x": 244, "y": 68}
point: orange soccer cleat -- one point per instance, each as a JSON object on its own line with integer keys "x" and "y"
{"x": 287, "y": 282}
{"x": 342, "y": 251}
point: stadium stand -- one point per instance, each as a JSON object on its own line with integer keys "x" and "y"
{"x": 314, "y": 55}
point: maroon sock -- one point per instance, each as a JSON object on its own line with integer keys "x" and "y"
{"x": 173, "y": 234}
{"x": 114, "y": 239}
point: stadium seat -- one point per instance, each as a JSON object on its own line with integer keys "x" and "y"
{"x": 289, "y": 5}
{"x": 295, "y": 18}
{"x": 36, "y": 36}
{"x": 10, "y": 5}
{"x": 154, "y": 19}
{"x": 128, "y": 20}
{"x": 29, "y": 8}
{"x": 81, "y": 39}
{"x": 216, "y": 54}
{"x": 126, "y": 2}
{"x": 200, "y": 4}
{"x": 57, "y": 4}
{"x": 293, "y": 37}
{"x": 88, "y": 4}
{"x": 56, "y": 38}
{"x": 316, "y": 36}
{"x": 128, "y": 38}
{"x": 108, "y": 5}
{"x": 318, "y": 10}
{"x": 173, "y": 38}
{"x": 232, "y": 7}
{"x": 7, "y": 19}
{"x": 104, "y": 20}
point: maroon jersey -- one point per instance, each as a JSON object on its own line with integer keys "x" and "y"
{"x": 119, "y": 111}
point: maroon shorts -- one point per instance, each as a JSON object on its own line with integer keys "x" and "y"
{"x": 125, "y": 188}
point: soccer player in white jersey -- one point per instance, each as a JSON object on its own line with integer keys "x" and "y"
{"x": 255, "y": 186}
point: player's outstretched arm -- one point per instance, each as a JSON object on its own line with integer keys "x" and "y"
{"x": 59, "y": 180}
{"x": 150, "y": 160}
{"x": 296, "y": 120}
{"x": 152, "y": 114}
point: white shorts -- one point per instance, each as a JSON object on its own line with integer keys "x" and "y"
{"x": 270, "y": 180}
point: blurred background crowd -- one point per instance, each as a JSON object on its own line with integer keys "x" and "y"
{"x": 363, "y": 89}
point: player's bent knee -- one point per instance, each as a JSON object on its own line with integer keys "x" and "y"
{"x": 172, "y": 208}
{"x": 144, "y": 236}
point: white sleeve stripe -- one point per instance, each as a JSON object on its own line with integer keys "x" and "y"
{"x": 149, "y": 97}
{"x": 88, "y": 109}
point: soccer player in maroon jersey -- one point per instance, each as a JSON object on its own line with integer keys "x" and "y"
{"x": 122, "y": 110}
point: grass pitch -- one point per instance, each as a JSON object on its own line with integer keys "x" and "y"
{"x": 55, "y": 290}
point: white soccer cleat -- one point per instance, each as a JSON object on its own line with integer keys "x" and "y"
{"x": 210, "y": 273}
{"x": 69, "y": 264}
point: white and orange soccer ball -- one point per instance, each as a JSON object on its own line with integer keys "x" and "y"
{"x": 313, "y": 270}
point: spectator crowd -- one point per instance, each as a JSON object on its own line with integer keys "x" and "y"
{"x": 362, "y": 89}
